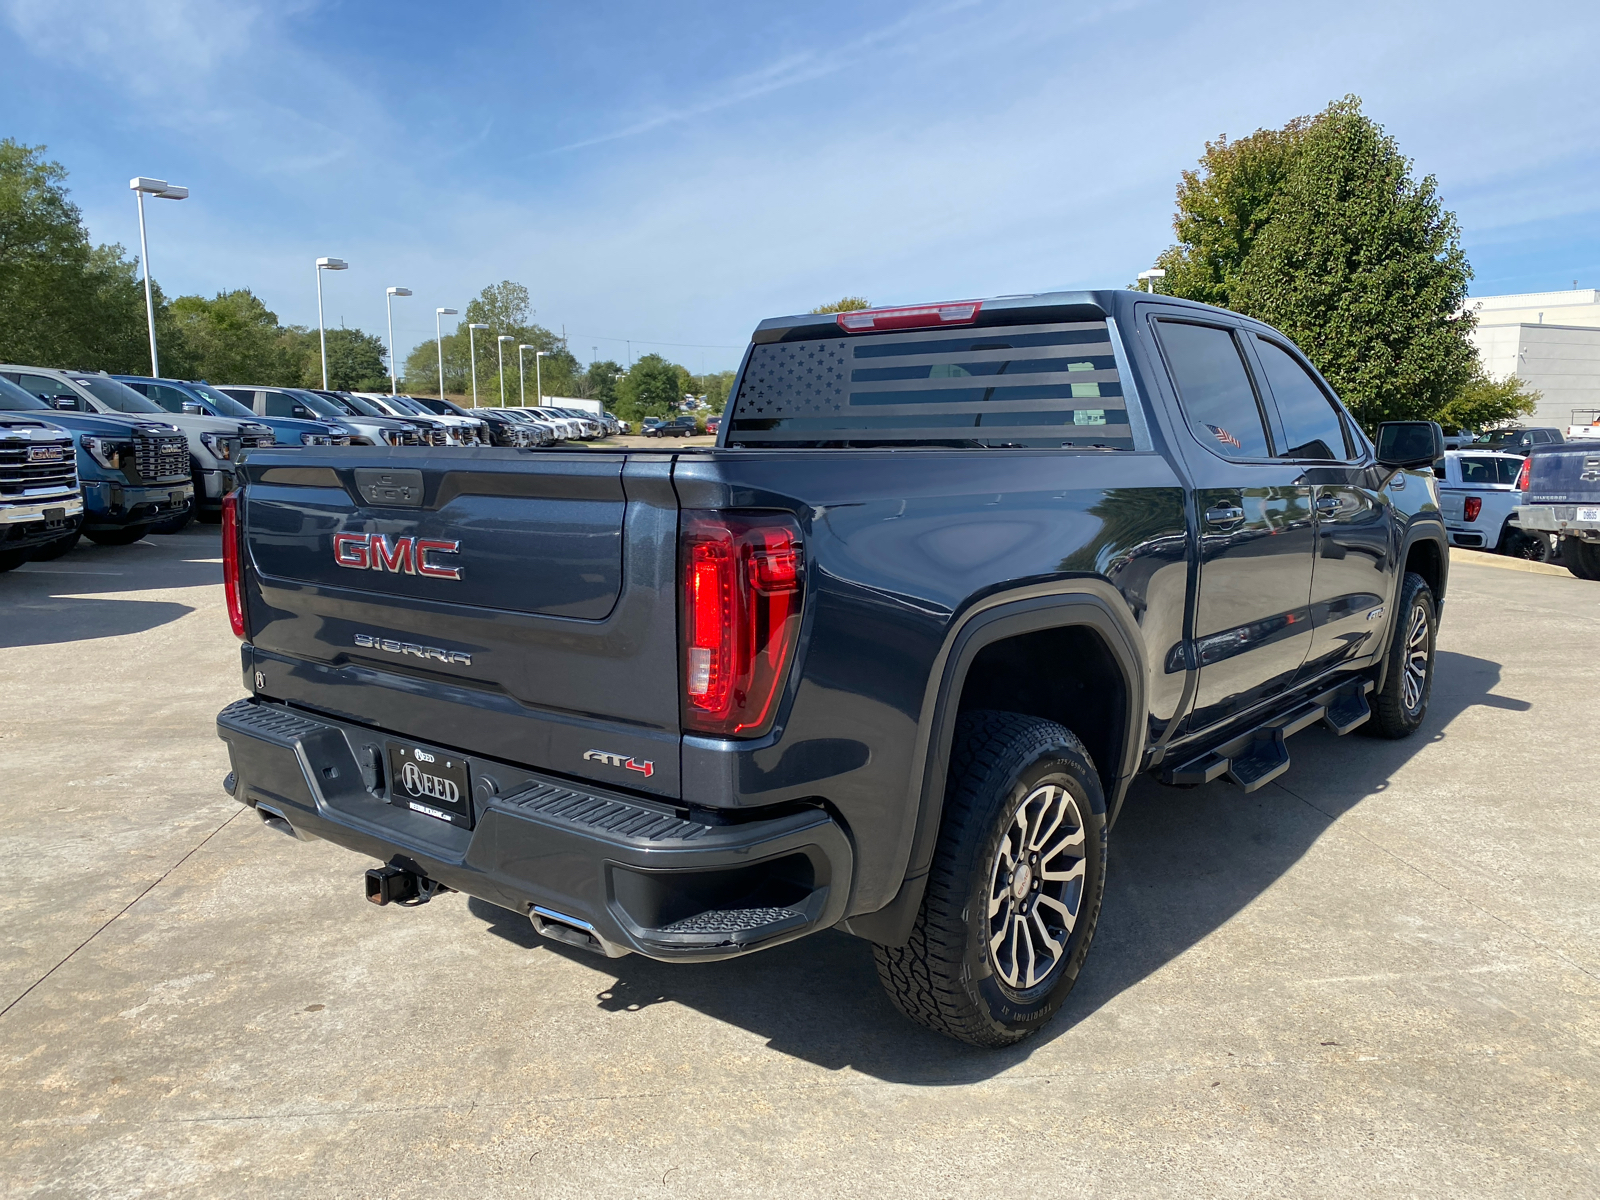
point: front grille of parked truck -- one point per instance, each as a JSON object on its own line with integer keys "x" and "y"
{"x": 161, "y": 457}
{"x": 33, "y": 467}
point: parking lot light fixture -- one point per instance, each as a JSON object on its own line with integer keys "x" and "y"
{"x": 472, "y": 350}
{"x": 142, "y": 187}
{"x": 438, "y": 342}
{"x": 1148, "y": 278}
{"x": 538, "y": 380}
{"x": 325, "y": 264}
{"x": 388, "y": 301}
{"x": 522, "y": 378}
{"x": 500, "y": 350}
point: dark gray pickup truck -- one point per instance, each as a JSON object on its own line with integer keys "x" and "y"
{"x": 884, "y": 659}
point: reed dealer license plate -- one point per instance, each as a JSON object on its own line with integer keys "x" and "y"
{"x": 431, "y": 782}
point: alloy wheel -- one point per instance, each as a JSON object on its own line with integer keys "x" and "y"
{"x": 1417, "y": 655}
{"x": 1036, "y": 887}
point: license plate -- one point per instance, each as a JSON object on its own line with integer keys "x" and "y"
{"x": 177, "y": 497}
{"x": 431, "y": 782}
{"x": 1589, "y": 514}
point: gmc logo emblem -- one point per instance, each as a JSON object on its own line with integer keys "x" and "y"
{"x": 403, "y": 556}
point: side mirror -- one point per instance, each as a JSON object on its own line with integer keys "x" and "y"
{"x": 192, "y": 408}
{"x": 1410, "y": 444}
{"x": 62, "y": 402}
{"x": 301, "y": 411}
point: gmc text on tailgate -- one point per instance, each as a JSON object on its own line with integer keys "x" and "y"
{"x": 886, "y": 658}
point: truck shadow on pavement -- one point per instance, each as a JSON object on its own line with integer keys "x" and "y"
{"x": 48, "y": 603}
{"x": 1183, "y": 862}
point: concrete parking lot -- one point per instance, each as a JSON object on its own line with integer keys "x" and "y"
{"x": 1378, "y": 976}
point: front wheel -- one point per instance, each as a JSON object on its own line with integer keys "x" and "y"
{"x": 51, "y": 551}
{"x": 1398, "y": 709}
{"x": 1015, "y": 887}
{"x": 10, "y": 560}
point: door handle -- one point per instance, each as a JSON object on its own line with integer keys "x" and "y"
{"x": 1327, "y": 505}
{"x": 1224, "y": 516}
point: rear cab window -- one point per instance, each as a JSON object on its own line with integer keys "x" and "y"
{"x": 1218, "y": 400}
{"x": 1054, "y": 386}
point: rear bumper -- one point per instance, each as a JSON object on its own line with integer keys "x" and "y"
{"x": 1557, "y": 518}
{"x": 638, "y": 875}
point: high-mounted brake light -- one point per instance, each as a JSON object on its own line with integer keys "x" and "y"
{"x": 742, "y": 585}
{"x": 916, "y": 316}
{"x": 232, "y": 576}
{"x": 1473, "y": 507}
{"x": 1522, "y": 475}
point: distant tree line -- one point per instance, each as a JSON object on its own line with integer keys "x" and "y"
{"x": 66, "y": 302}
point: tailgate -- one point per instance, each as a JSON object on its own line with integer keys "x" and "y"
{"x": 515, "y": 606}
{"x": 1564, "y": 474}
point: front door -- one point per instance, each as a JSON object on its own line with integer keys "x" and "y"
{"x": 1252, "y": 627}
{"x": 1352, "y": 576}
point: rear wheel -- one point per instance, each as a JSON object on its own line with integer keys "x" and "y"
{"x": 51, "y": 551}
{"x": 1518, "y": 544}
{"x": 1015, "y": 887}
{"x": 1398, "y": 709}
{"x": 1581, "y": 558}
{"x": 116, "y": 537}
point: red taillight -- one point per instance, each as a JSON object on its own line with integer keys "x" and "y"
{"x": 742, "y": 584}
{"x": 232, "y": 576}
{"x": 1473, "y": 507}
{"x": 1522, "y": 475}
{"x": 915, "y": 316}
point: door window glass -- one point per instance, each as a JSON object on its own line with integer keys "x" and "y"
{"x": 1214, "y": 389}
{"x": 1310, "y": 421}
{"x": 169, "y": 398}
{"x": 279, "y": 405}
{"x": 48, "y": 389}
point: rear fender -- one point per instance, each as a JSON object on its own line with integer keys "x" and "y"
{"x": 1082, "y": 603}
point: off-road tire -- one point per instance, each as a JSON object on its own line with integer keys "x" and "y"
{"x": 62, "y": 546}
{"x": 944, "y": 977}
{"x": 116, "y": 537}
{"x": 1397, "y": 712}
{"x": 1582, "y": 559}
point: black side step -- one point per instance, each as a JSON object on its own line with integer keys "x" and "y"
{"x": 1257, "y": 757}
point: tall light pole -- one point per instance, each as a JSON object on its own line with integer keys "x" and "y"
{"x": 388, "y": 302}
{"x": 1148, "y": 278}
{"x": 538, "y": 380}
{"x": 325, "y": 264}
{"x": 167, "y": 191}
{"x": 522, "y": 378}
{"x": 472, "y": 349}
{"x": 500, "y": 349}
{"x": 438, "y": 342}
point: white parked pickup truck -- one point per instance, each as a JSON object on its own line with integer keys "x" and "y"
{"x": 1478, "y": 493}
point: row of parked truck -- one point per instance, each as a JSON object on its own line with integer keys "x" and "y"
{"x": 115, "y": 457}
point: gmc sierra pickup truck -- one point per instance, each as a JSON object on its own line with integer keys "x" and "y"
{"x": 886, "y": 658}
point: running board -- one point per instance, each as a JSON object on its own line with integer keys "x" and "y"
{"x": 1255, "y": 758}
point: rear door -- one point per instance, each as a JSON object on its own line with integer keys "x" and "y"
{"x": 1252, "y": 621}
{"x": 514, "y": 607}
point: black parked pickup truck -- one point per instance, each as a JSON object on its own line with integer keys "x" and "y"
{"x": 884, "y": 659}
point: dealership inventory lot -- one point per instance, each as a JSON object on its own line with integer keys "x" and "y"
{"x": 1380, "y": 973}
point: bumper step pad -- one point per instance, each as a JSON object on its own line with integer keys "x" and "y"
{"x": 1255, "y": 758}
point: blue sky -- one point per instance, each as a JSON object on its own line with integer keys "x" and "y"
{"x": 672, "y": 173}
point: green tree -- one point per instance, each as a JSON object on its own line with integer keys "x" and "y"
{"x": 600, "y": 383}
{"x": 714, "y": 388}
{"x": 1482, "y": 403}
{"x": 356, "y": 362}
{"x": 653, "y": 387}
{"x": 843, "y": 304}
{"x": 234, "y": 338}
{"x": 1321, "y": 230}
{"x": 63, "y": 301}
{"x": 505, "y": 307}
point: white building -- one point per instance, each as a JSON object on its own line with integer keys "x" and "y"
{"x": 1550, "y": 341}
